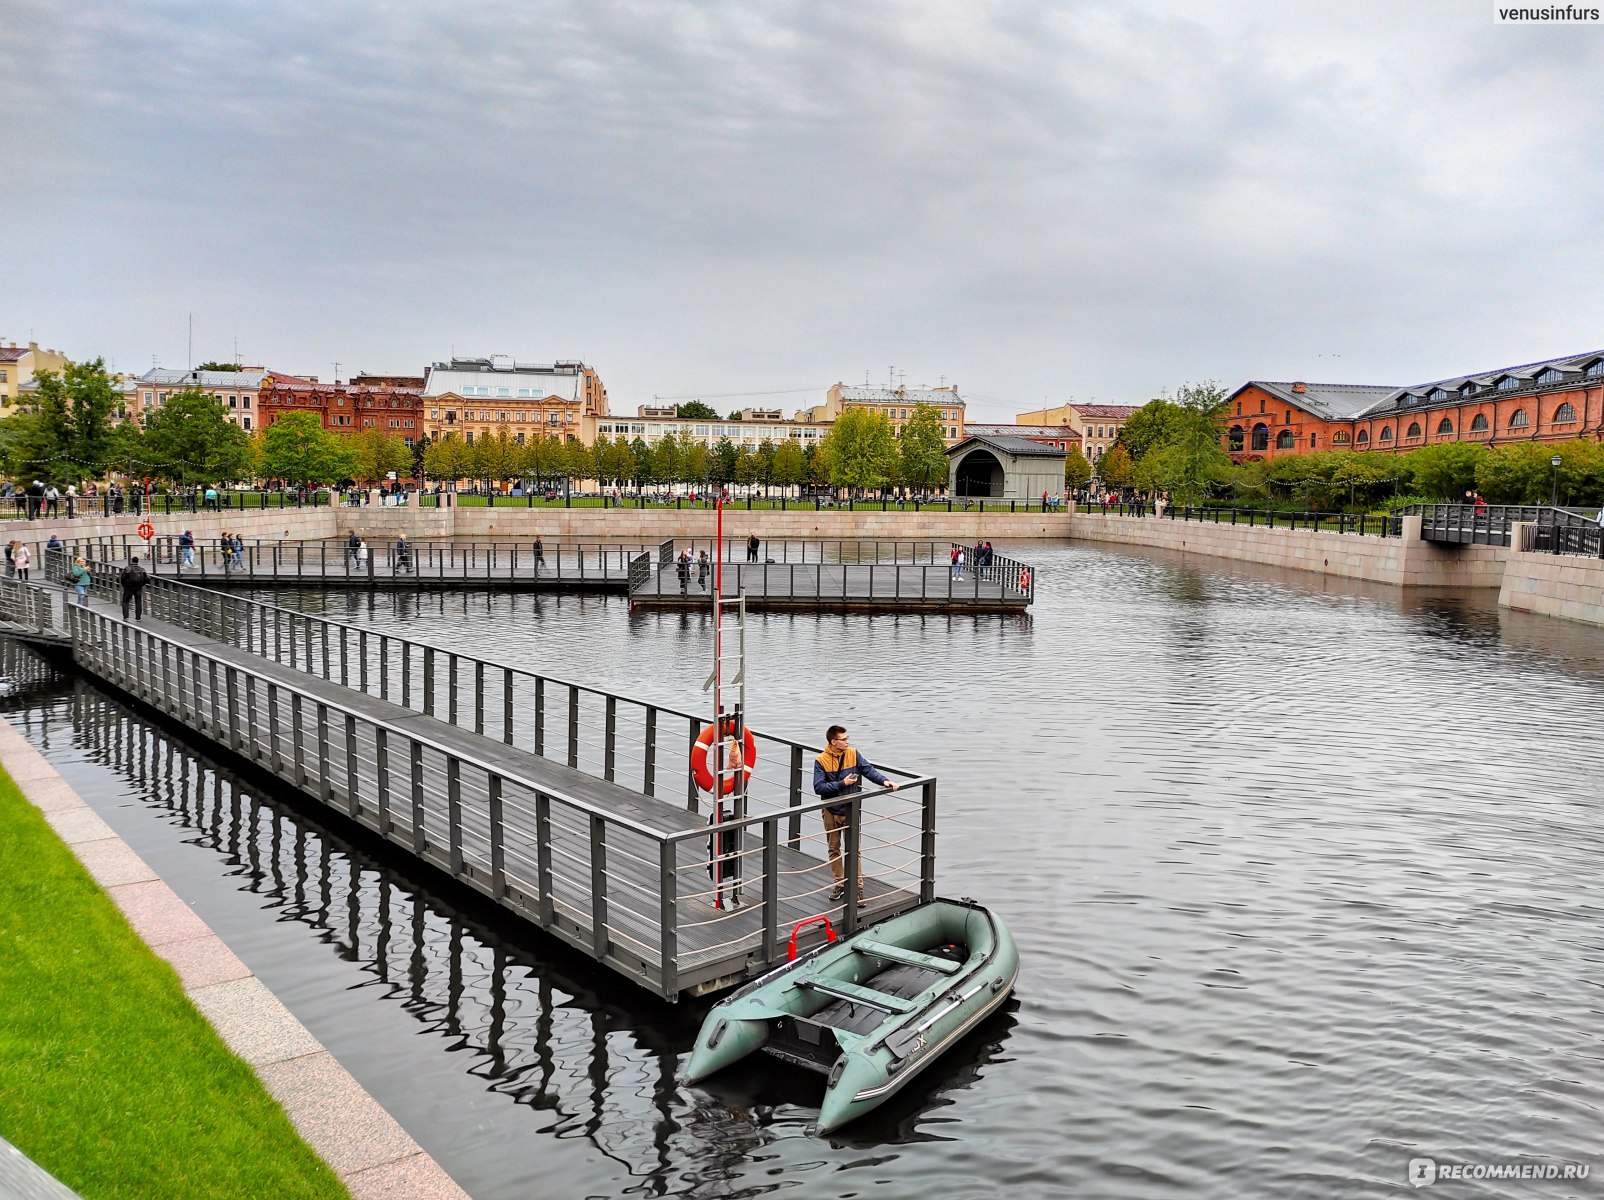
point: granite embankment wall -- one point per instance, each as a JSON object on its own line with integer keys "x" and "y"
{"x": 1555, "y": 585}
{"x": 1407, "y": 561}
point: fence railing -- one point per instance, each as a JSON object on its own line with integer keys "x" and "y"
{"x": 1488, "y": 524}
{"x": 1582, "y": 540}
{"x": 617, "y": 885}
{"x": 1363, "y": 524}
{"x": 26, "y": 606}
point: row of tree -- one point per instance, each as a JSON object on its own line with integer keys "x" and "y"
{"x": 1174, "y": 446}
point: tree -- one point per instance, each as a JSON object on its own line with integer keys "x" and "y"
{"x": 219, "y": 366}
{"x": 1445, "y": 471}
{"x": 71, "y": 439}
{"x": 861, "y": 448}
{"x": 695, "y": 410}
{"x": 697, "y": 464}
{"x": 297, "y": 449}
{"x": 1115, "y": 467}
{"x": 790, "y": 464}
{"x": 1195, "y": 461}
{"x": 1155, "y": 425}
{"x": 1521, "y": 473}
{"x": 377, "y": 453}
{"x": 446, "y": 459}
{"x": 748, "y": 468}
{"x": 668, "y": 459}
{"x": 190, "y": 440}
{"x": 640, "y": 457}
{"x": 924, "y": 448}
{"x": 1077, "y": 471}
{"x": 766, "y": 451}
{"x": 725, "y": 456}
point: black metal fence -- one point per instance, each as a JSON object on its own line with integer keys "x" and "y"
{"x": 1489, "y": 524}
{"x": 1358, "y": 523}
{"x": 1585, "y": 541}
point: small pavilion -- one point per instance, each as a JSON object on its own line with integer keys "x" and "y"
{"x": 1004, "y": 468}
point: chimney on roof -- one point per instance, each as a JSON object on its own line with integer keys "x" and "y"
{"x": 1300, "y": 388}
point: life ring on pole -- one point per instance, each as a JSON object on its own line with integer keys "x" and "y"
{"x": 743, "y": 755}
{"x": 147, "y": 530}
{"x": 1024, "y": 579}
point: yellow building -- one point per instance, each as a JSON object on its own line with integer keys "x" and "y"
{"x": 473, "y": 397}
{"x": 1098, "y": 425}
{"x": 18, "y": 366}
{"x": 897, "y": 404}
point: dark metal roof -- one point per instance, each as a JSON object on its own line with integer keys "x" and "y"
{"x": 1016, "y": 446}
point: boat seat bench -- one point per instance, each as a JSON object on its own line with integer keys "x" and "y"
{"x": 858, "y": 994}
{"x": 908, "y": 958}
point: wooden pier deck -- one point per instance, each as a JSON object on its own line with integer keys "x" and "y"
{"x": 569, "y": 806}
{"x": 837, "y": 586}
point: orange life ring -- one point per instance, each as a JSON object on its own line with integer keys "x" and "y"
{"x": 742, "y": 756}
{"x": 1024, "y": 579}
{"x": 147, "y": 530}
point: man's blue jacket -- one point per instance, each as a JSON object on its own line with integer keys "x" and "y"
{"x": 832, "y": 765}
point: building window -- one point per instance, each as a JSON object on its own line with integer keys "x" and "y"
{"x": 469, "y": 437}
{"x": 551, "y": 418}
{"x": 1469, "y": 389}
{"x": 1234, "y": 438}
{"x": 1565, "y": 412}
{"x": 1284, "y": 440}
{"x": 3, "y": 379}
{"x": 1518, "y": 419}
{"x": 1339, "y": 438}
{"x": 1261, "y": 436}
{"x": 1386, "y": 433}
{"x": 1508, "y": 383}
{"x": 340, "y": 400}
{"x": 245, "y": 421}
{"x": 1414, "y": 430}
{"x": 501, "y": 391}
{"x": 1444, "y": 426}
{"x": 1478, "y": 423}
{"x": 1314, "y": 440}
{"x": 1595, "y": 370}
{"x": 1288, "y": 420}
{"x": 1551, "y": 375}
{"x": 1363, "y": 439}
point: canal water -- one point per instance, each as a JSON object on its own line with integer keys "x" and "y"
{"x": 1304, "y": 874}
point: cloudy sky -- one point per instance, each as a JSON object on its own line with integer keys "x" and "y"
{"x": 749, "y": 201}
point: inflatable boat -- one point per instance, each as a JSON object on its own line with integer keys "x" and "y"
{"x": 872, "y": 1010}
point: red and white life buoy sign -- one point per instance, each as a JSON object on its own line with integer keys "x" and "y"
{"x": 147, "y": 530}
{"x": 741, "y": 757}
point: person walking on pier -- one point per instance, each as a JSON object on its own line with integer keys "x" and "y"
{"x": 186, "y": 543}
{"x": 683, "y": 568}
{"x": 80, "y": 580}
{"x": 403, "y": 554}
{"x": 840, "y": 770}
{"x": 133, "y": 580}
{"x": 957, "y": 562}
{"x": 22, "y": 559}
{"x": 540, "y": 555}
{"x": 752, "y": 545}
{"x": 351, "y": 544}
{"x": 701, "y": 569}
{"x": 239, "y": 550}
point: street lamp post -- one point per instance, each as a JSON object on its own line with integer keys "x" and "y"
{"x": 1553, "y": 499}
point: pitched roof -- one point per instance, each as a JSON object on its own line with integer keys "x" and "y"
{"x": 1017, "y": 446}
{"x": 1061, "y": 432}
{"x": 171, "y": 377}
{"x": 1105, "y": 412}
{"x": 11, "y": 354}
{"x": 1332, "y": 401}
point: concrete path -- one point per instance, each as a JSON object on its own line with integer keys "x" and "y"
{"x": 374, "y": 1157}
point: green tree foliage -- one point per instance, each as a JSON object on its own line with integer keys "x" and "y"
{"x": 725, "y": 456}
{"x": 1523, "y": 473}
{"x": 766, "y": 450}
{"x": 545, "y": 459}
{"x": 1156, "y": 424}
{"x": 617, "y": 465}
{"x": 1445, "y": 471}
{"x": 790, "y": 464}
{"x": 377, "y": 453}
{"x": 190, "y": 440}
{"x": 297, "y": 449}
{"x": 697, "y": 464}
{"x": 219, "y": 366}
{"x": 861, "y": 448}
{"x": 820, "y": 463}
{"x": 641, "y": 462}
{"x": 1077, "y": 471}
{"x": 1115, "y": 467}
{"x": 695, "y": 410}
{"x": 924, "y": 448}
{"x": 69, "y": 434}
{"x": 446, "y": 459}
{"x": 748, "y": 468}
{"x": 668, "y": 459}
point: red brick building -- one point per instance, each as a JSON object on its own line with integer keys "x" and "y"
{"x": 345, "y": 407}
{"x": 1554, "y": 400}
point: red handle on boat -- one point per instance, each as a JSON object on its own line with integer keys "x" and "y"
{"x": 829, "y": 933}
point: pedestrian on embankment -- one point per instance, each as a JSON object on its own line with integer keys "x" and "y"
{"x": 80, "y": 578}
{"x": 133, "y": 579}
{"x": 22, "y": 559}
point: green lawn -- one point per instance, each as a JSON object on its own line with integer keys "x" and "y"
{"x": 109, "y": 1078}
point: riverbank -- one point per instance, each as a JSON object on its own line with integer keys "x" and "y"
{"x": 125, "y": 1076}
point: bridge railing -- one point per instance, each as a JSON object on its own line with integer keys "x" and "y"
{"x": 1363, "y": 524}
{"x": 634, "y": 894}
{"x": 26, "y": 606}
{"x": 1488, "y": 524}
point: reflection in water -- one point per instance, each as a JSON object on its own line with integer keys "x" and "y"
{"x": 583, "y": 1055}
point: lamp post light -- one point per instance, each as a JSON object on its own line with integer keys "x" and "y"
{"x": 1553, "y": 499}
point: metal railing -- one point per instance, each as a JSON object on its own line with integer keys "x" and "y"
{"x": 623, "y": 888}
{"x": 1585, "y": 541}
{"x": 1364, "y": 524}
{"x": 26, "y": 606}
{"x": 1487, "y": 524}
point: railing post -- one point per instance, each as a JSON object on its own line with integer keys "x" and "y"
{"x": 543, "y": 898}
{"x": 381, "y": 760}
{"x": 598, "y": 886}
{"x": 573, "y": 726}
{"x": 415, "y": 750}
{"x": 927, "y": 844}
{"x": 771, "y": 889}
{"x": 610, "y": 751}
{"x": 649, "y": 765}
{"x": 668, "y": 914}
{"x": 498, "y": 855}
{"x": 454, "y": 812}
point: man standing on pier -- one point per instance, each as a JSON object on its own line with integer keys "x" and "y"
{"x": 839, "y": 771}
{"x": 752, "y": 545}
{"x": 133, "y": 579}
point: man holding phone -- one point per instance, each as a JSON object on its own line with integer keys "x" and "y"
{"x": 839, "y": 771}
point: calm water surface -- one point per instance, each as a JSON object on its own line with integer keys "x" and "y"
{"x": 1304, "y": 876}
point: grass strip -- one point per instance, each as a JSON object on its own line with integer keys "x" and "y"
{"x": 109, "y": 1077}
